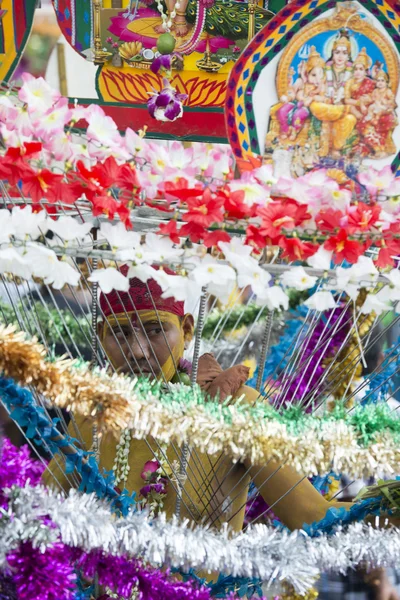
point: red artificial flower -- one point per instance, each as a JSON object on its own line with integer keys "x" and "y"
{"x": 362, "y": 217}
{"x": 295, "y": 249}
{"x": 254, "y": 237}
{"x": 193, "y": 231}
{"x": 101, "y": 177}
{"x": 178, "y": 189}
{"x": 170, "y": 230}
{"x": 124, "y": 213}
{"x": 328, "y": 220}
{"x": 14, "y": 170}
{"x": 343, "y": 248}
{"x": 105, "y": 205}
{"x": 27, "y": 149}
{"x": 212, "y": 238}
{"x": 204, "y": 210}
{"x": 234, "y": 206}
{"x": 67, "y": 193}
{"x": 127, "y": 179}
{"x": 275, "y": 217}
{"x": 38, "y": 184}
{"x": 389, "y": 248}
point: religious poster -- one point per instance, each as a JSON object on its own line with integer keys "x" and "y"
{"x": 334, "y": 99}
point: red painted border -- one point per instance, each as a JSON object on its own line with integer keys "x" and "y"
{"x": 191, "y": 126}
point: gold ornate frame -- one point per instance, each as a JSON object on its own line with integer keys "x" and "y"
{"x": 350, "y": 18}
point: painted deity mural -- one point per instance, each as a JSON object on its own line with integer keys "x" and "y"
{"x": 337, "y": 83}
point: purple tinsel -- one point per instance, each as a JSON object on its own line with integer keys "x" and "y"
{"x": 46, "y": 575}
{"x": 18, "y": 468}
{"x": 327, "y": 336}
{"x": 7, "y": 588}
{"x": 120, "y": 575}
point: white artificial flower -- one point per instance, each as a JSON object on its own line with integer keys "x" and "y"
{"x": 220, "y": 279}
{"x": 63, "y": 274}
{"x": 118, "y": 236}
{"x": 12, "y": 262}
{"x": 251, "y": 274}
{"x": 44, "y": 261}
{"x": 37, "y": 93}
{"x": 352, "y": 279}
{"x": 321, "y": 259}
{"x": 159, "y": 248}
{"x": 274, "y": 298}
{"x": 364, "y": 270}
{"x": 321, "y": 301}
{"x": 298, "y": 279}
{"x": 254, "y": 193}
{"x": 25, "y": 222}
{"x": 374, "y": 303}
{"x": 110, "y": 279}
{"x": 143, "y": 272}
{"x": 7, "y": 227}
{"x": 68, "y": 228}
{"x": 176, "y": 286}
{"x": 394, "y": 277}
{"x": 236, "y": 251}
{"x": 265, "y": 175}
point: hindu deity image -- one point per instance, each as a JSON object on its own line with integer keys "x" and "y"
{"x": 337, "y": 83}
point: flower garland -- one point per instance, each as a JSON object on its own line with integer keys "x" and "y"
{"x": 363, "y": 442}
{"x": 109, "y": 175}
{"x": 84, "y": 523}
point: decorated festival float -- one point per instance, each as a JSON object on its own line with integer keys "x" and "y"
{"x": 198, "y": 341}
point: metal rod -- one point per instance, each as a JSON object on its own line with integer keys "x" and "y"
{"x": 264, "y": 349}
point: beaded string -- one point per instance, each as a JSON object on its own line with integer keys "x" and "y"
{"x": 167, "y": 22}
{"x": 121, "y": 466}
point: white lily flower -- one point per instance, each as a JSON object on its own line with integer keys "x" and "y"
{"x": 298, "y": 279}
{"x": 118, "y": 237}
{"x": 7, "y": 227}
{"x": 219, "y": 279}
{"x": 274, "y": 298}
{"x": 68, "y": 228}
{"x": 236, "y": 251}
{"x": 321, "y": 259}
{"x": 394, "y": 277}
{"x": 44, "y": 261}
{"x": 374, "y": 303}
{"x": 25, "y": 222}
{"x": 12, "y": 262}
{"x": 110, "y": 279}
{"x": 63, "y": 274}
{"x": 159, "y": 248}
{"x": 321, "y": 301}
{"x": 143, "y": 272}
{"x": 251, "y": 274}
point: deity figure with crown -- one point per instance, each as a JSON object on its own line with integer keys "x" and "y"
{"x": 342, "y": 104}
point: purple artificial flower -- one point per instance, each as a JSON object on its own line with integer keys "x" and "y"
{"x": 185, "y": 366}
{"x": 157, "y": 488}
{"x": 167, "y": 104}
{"x": 163, "y": 61}
{"x": 149, "y": 468}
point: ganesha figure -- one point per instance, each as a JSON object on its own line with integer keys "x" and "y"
{"x": 343, "y": 98}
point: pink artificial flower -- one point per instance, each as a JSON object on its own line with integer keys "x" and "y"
{"x": 109, "y": 40}
{"x": 52, "y": 123}
{"x": 150, "y": 467}
{"x": 377, "y": 181}
{"x": 37, "y": 93}
{"x": 101, "y": 127}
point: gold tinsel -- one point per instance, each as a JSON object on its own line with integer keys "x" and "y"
{"x": 113, "y": 403}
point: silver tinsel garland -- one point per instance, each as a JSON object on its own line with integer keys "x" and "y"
{"x": 85, "y": 522}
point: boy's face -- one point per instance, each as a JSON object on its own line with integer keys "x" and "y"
{"x": 146, "y": 343}
{"x": 381, "y": 82}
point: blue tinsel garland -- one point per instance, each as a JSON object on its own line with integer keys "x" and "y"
{"x": 32, "y": 418}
